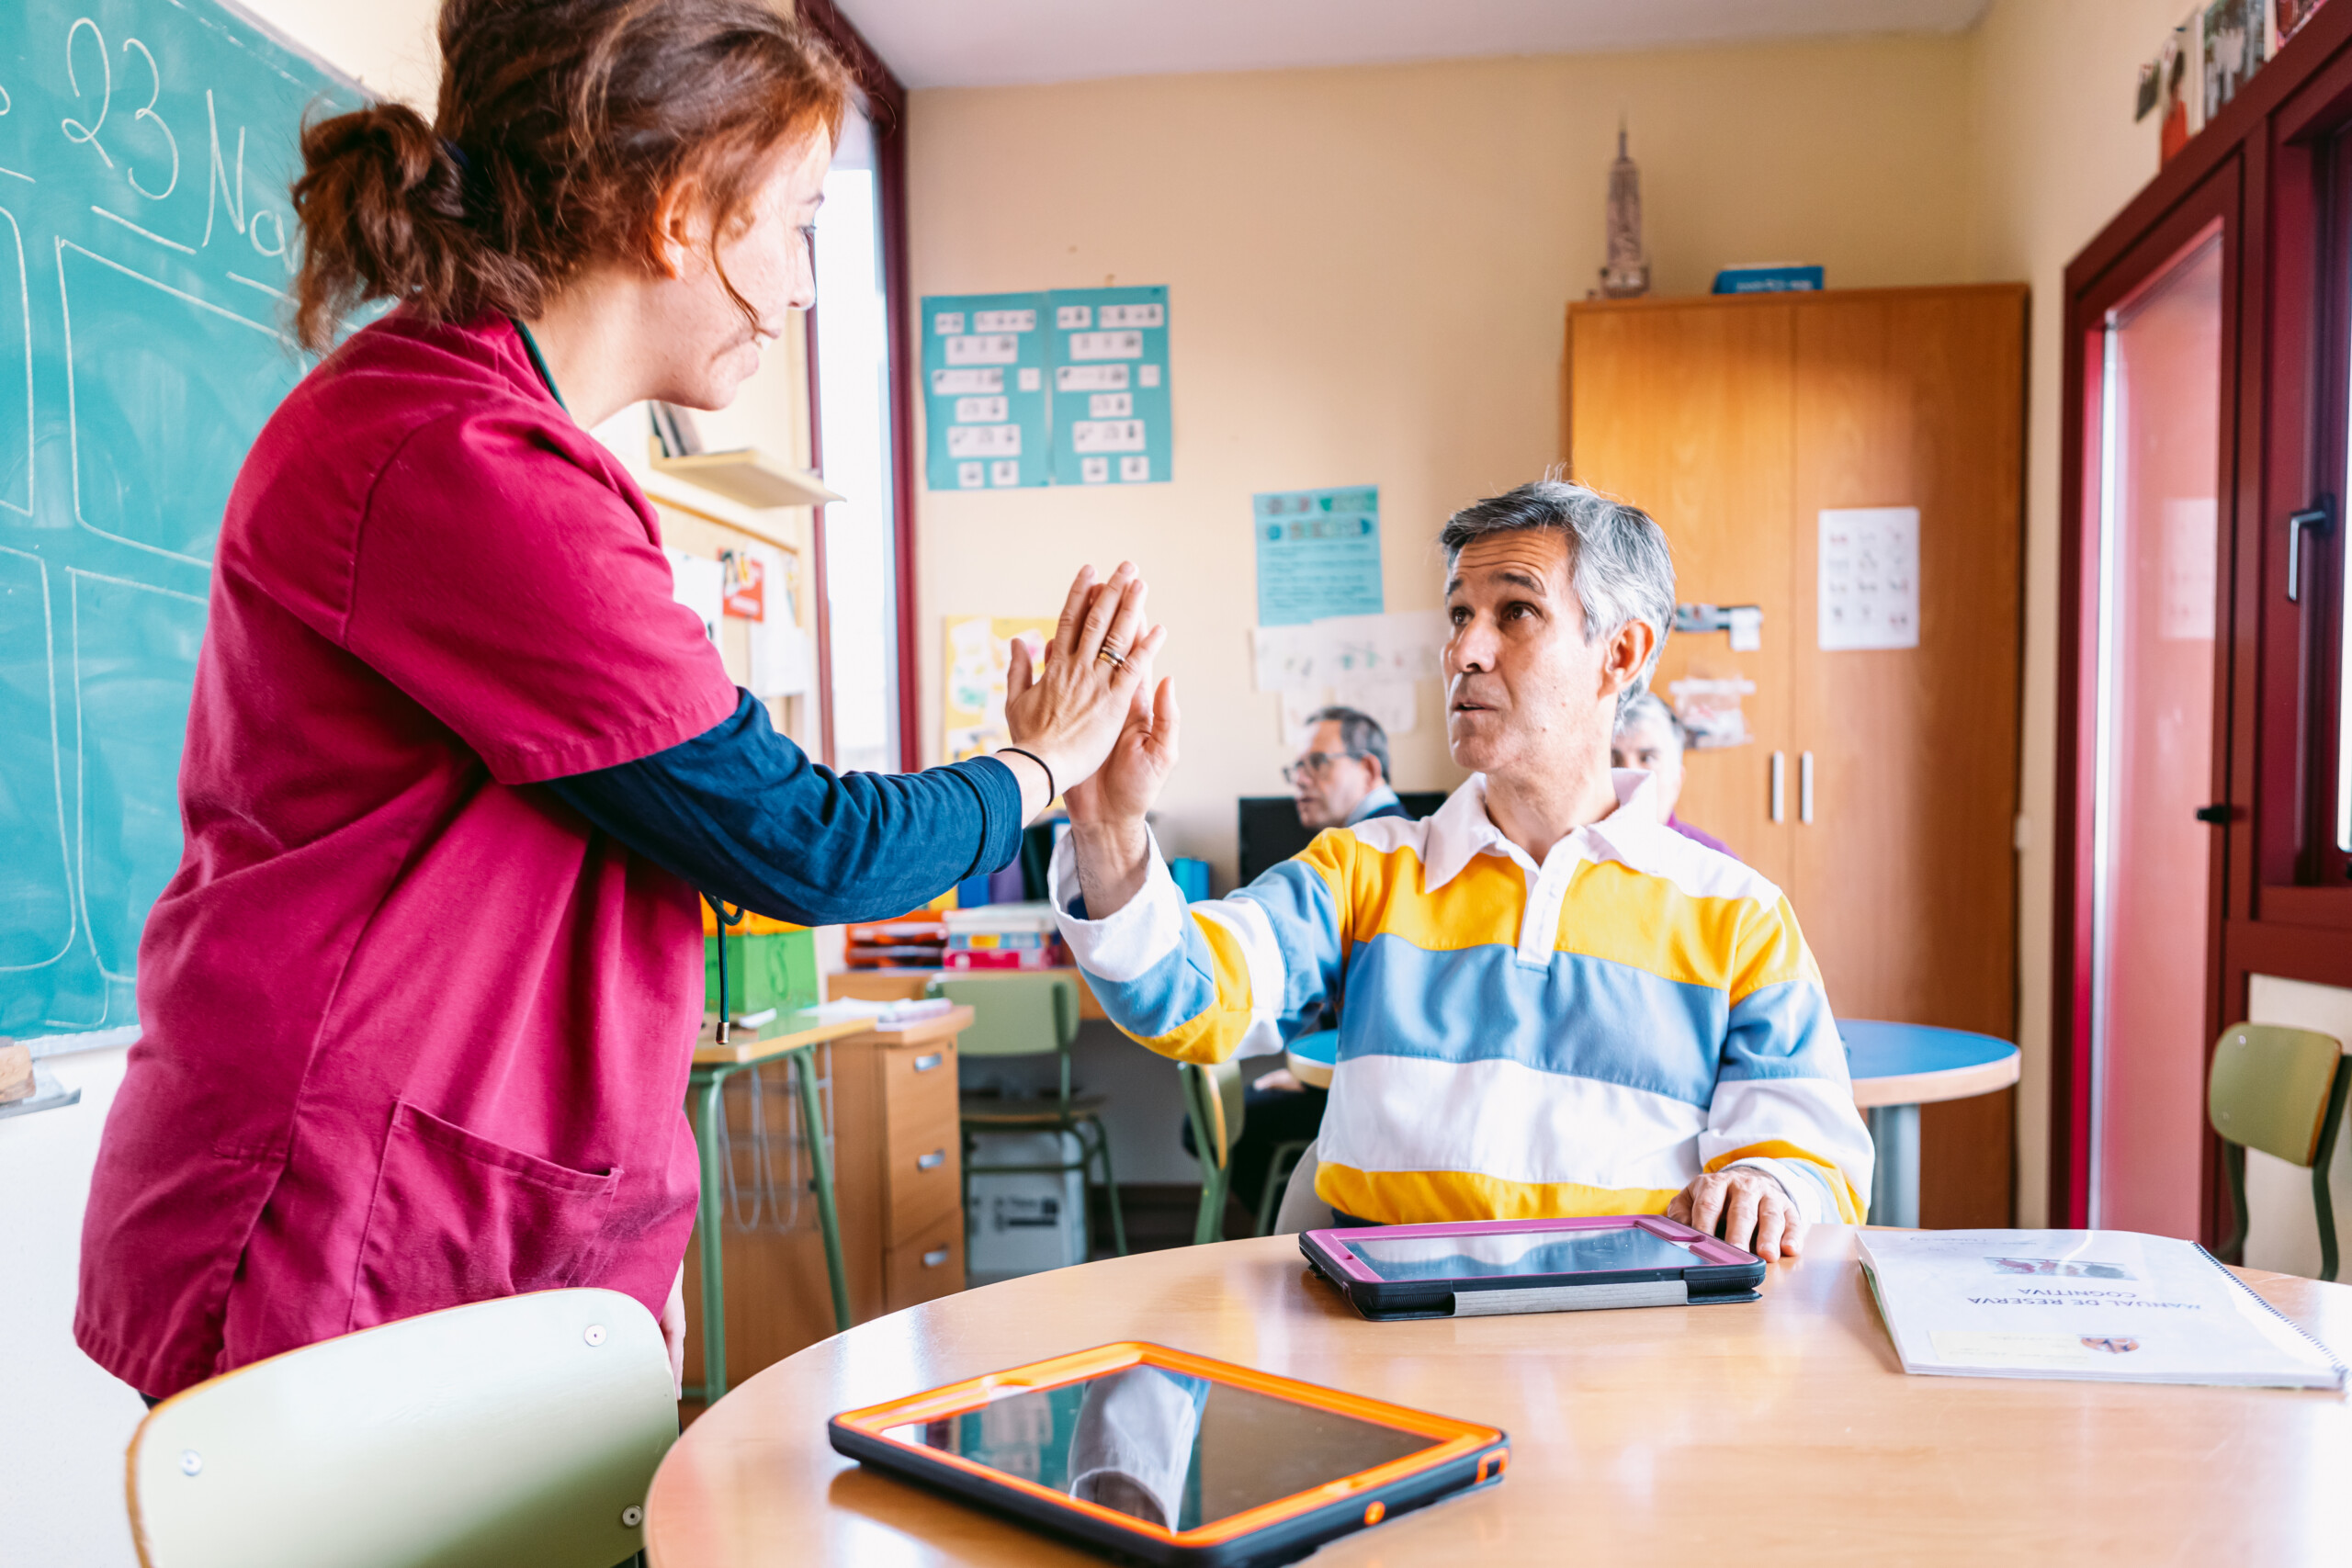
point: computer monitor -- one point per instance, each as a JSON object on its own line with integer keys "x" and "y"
{"x": 1271, "y": 832}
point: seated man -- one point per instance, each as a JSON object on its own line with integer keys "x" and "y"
{"x": 1650, "y": 740}
{"x": 1341, "y": 774}
{"x": 1555, "y": 1005}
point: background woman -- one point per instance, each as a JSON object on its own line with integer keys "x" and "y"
{"x": 419, "y": 1004}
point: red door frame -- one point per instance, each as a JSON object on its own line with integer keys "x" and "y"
{"x": 885, "y": 102}
{"x": 2258, "y": 168}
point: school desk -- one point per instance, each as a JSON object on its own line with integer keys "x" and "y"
{"x": 1779, "y": 1432}
{"x": 1896, "y": 1068}
{"x": 713, "y": 1064}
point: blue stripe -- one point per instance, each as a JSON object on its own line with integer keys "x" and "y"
{"x": 1582, "y": 1016}
{"x": 1166, "y": 996}
{"x": 1784, "y": 1031}
{"x": 1297, "y": 903}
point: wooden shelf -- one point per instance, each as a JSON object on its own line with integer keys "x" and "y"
{"x": 749, "y": 476}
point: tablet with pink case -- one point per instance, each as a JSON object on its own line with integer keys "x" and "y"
{"x": 1486, "y": 1267}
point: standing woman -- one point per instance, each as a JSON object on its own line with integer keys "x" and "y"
{"x": 419, "y": 1005}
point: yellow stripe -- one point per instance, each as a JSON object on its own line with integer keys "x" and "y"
{"x": 1433, "y": 1197}
{"x": 1852, "y": 1207}
{"x": 1771, "y": 951}
{"x": 1215, "y": 1032}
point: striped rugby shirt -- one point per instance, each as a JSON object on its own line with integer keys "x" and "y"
{"x": 1581, "y": 1037}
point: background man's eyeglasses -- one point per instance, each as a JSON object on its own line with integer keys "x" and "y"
{"x": 1315, "y": 763}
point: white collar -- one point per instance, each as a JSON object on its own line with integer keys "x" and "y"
{"x": 1460, "y": 829}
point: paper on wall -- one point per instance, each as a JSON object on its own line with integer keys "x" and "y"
{"x": 1351, "y": 650}
{"x": 1390, "y": 702}
{"x": 1710, "y": 710}
{"x": 980, "y": 657}
{"x": 1870, "y": 578}
{"x": 1282, "y": 658}
{"x": 700, "y": 584}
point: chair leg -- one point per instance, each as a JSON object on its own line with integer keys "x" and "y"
{"x": 1278, "y": 1171}
{"x": 2233, "y": 1166}
{"x": 1110, "y": 1186}
{"x": 1210, "y": 1226}
{"x": 2322, "y": 1158}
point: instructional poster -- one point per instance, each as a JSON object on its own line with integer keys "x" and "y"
{"x": 1319, "y": 554}
{"x": 984, "y": 391}
{"x": 1066, "y": 388}
{"x": 979, "y": 656}
{"x": 1870, "y": 578}
{"x": 1109, "y": 377}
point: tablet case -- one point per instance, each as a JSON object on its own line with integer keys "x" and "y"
{"x": 1724, "y": 1273}
{"x": 1462, "y": 1456}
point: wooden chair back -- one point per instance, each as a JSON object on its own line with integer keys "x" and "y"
{"x": 1015, "y": 1015}
{"x": 515, "y": 1433}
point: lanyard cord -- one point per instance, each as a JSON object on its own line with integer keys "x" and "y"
{"x": 539, "y": 363}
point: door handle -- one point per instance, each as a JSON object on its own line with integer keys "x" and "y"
{"x": 929, "y": 1060}
{"x": 935, "y": 1257}
{"x": 932, "y": 1160}
{"x": 2316, "y": 519}
{"x": 1780, "y": 792}
{"x": 2219, "y": 815}
{"x": 1805, "y": 788}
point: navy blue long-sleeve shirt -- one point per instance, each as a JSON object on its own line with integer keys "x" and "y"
{"x": 740, "y": 812}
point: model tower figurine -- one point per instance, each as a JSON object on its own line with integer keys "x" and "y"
{"x": 1628, "y": 275}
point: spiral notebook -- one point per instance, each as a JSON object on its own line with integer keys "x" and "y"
{"x": 2108, "y": 1306}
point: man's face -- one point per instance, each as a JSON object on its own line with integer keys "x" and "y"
{"x": 1326, "y": 782}
{"x": 1650, "y": 747}
{"x": 1526, "y": 694}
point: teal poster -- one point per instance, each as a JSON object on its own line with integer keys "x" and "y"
{"x": 1110, "y": 364}
{"x": 1319, "y": 554}
{"x": 1067, "y": 388}
{"x": 984, "y": 359}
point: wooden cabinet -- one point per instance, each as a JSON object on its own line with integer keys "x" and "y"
{"x": 1736, "y": 422}
{"x": 898, "y": 1180}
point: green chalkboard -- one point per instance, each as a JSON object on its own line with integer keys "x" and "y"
{"x": 145, "y": 150}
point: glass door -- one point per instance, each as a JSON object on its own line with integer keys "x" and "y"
{"x": 2158, "y": 441}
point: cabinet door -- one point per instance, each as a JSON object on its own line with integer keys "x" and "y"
{"x": 1905, "y": 879}
{"x": 1686, "y": 411}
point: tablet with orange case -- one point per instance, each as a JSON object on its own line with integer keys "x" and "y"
{"x": 1161, "y": 1456}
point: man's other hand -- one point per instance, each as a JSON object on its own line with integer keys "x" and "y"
{"x": 1747, "y": 1207}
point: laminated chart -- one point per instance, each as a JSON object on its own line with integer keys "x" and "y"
{"x": 145, "y": 150}
{"x": 984, "y": 391}
{"x": 1110, "y": 374}
{"x": 1066, "y": 388}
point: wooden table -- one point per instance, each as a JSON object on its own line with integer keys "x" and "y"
{"x": 1784, "y": 1432}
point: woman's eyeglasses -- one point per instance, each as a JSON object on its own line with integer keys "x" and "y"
{"x": 1315, "y": 763}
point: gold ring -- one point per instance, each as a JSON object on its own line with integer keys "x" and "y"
{"x": 1111, "y": 656}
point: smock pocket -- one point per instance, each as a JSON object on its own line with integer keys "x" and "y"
{"x": 459, "y": 1218}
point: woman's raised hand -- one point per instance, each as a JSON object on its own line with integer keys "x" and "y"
{"x": 1070, "y": 712}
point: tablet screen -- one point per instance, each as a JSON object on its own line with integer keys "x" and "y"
{"x": 1504, "y": 1253}
{"x": 1164, "y": 1447}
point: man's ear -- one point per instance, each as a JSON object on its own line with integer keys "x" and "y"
{"x": 1629, "y": 655}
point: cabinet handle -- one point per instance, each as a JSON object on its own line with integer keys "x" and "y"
{"x": 1780, "y": 792}
{"x": 2313, "y": 520}
{"x": 935, "y": 1257}
{"x": 1805, "y": 788}
{"x": 929, "y": 1060}
{"x": 932, "y": 1160}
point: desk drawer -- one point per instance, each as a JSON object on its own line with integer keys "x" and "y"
{"x": 922, "y": 1164}
{"x": 930, "y": 1265}
{"x": 918, "y": 1084}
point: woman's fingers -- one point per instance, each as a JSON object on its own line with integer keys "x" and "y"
{"x": 1100, "y": 610}
{"x": 1082, "y": 589}
{"x": 1017, "y": 671}
{"x": 1128, "y": 622}
{"x": 1164, "y": 719}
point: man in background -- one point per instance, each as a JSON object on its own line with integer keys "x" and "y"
{"x": 1341, "y": 774}
{"x": 1650, "y": 740}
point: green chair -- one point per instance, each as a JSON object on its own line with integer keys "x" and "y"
{"x": 1213, "y": 1101}
{"x": 1030, "y": 1015}
{"x": 2280, "y": 1091}
{"x": 521, "y": 1432}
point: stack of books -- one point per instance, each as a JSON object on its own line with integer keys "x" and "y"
{"x": 1004, "y": 936}
{"x": 911, "y": 942}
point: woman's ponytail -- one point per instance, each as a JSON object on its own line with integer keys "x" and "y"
{"x": 563, "y": 126}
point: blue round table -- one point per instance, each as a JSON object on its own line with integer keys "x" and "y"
{"x": 1896, "y": 1068}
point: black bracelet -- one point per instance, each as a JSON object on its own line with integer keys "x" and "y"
{"x": 1050, "y": 790}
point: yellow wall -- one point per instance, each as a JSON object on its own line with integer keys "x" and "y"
{"x": 1368, "y": 269}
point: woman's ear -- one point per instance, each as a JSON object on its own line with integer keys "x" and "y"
{"x": 674, "y": 233}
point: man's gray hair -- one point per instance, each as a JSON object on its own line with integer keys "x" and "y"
{"x": 1620, "y": 568}
{"x": 1648, "y": 707}
{"x": 1359, "y": 732}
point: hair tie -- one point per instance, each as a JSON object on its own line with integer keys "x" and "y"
{"x": 457, "y": 156}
